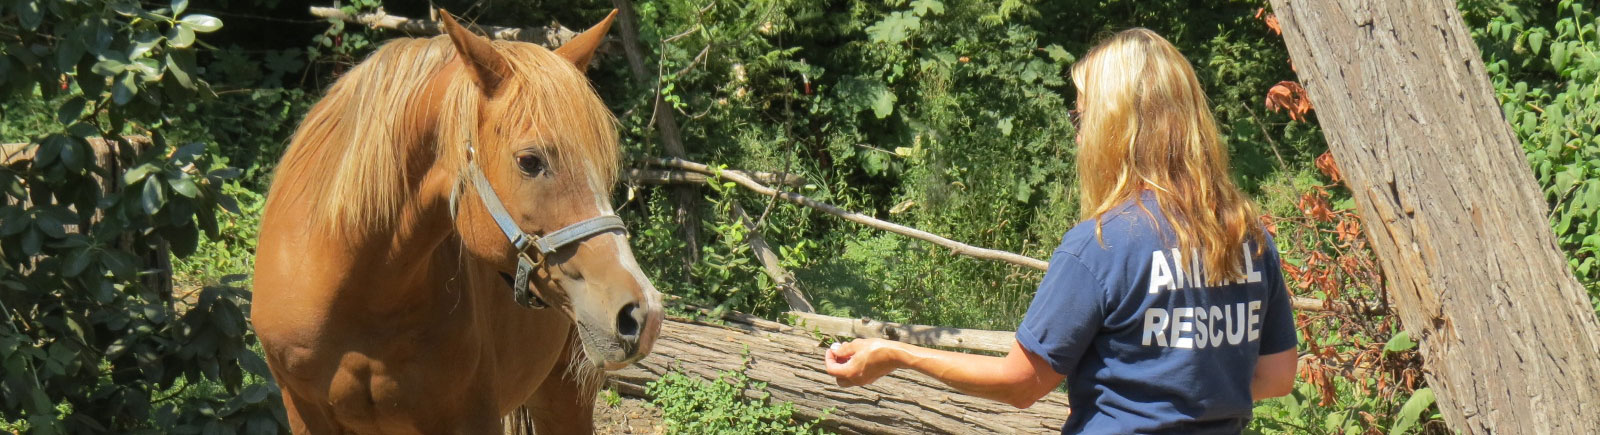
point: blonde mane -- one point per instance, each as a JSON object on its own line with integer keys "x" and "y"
{"x": 348, "y": 160}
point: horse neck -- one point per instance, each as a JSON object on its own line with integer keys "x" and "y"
{"x": 407, "y": 249}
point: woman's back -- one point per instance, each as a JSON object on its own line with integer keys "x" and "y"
{"x": 1146, "y": 344}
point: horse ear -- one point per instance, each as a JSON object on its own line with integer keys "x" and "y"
{"x": 488, "y": 67}
{"x": 581, "y": 48}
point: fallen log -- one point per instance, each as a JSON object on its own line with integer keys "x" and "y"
{"x": 921, "y": 335}
{"x": 789, "y": 360}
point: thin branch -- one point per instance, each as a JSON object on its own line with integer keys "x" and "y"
{"x": 1268, "y": 135}
{"x": 551, "y": 36}
{"x": 673, "y": 176}
{"x": 954, "y": 246}
{"x": 692, "y": 62}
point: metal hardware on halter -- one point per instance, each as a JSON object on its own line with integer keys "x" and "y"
{"x": 548, "y": 244}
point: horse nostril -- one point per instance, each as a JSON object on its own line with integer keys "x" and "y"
{"x": 628, "y": 321}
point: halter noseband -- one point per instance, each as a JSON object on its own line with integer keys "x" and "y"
{"x": 547, "y": 244}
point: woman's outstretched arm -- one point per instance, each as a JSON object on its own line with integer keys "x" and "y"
{"x": 1019, "y": 378}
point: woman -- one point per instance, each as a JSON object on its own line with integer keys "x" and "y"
{"x": 1165, "y": 309}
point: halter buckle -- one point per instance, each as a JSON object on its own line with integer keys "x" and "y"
{"x": 524, "y": 294}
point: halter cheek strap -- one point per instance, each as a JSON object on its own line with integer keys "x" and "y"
{"x": 546, "y": 245}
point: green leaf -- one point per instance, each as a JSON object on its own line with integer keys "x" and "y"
{"x": 77, "y": 262}
{"x": 1535, "y": 42}
{"x": 123, "y": 90}
{"x": 67, "y": 54}
{"x": 1558, "y": 55}
{"x": 51, "y": 226}
{"x": 255, "y": 393}
{"x": 118, "y": 264}
{"x": 153, "y": 197}
{"x": 923, "y": 7}
{"x": 180, "y": 36}
{"x": 185, "y": 187}
{"x": 1411, "y": 412}
{"x": 50, "y": 150}
{"x": 883, "y": 102}
{"x": 149, "y": 69}
{"x": 178, "y": 73}
{"x": 30, "y": 13}
{"x": 143, "y": 42}
{"x": 15, "y": 222}
{"x": 127, "y": 8}
{"x": 226, "y": 173}
{"x": 74, "y": 153}
{"x": 70, "y": 110}
{"x": 1060, "y": 55}
{"x": 138, "y": 173}
{"x": 188, "y": 152}
{"x": 109, "y": 67}
{"x": 894, "y": 29}
{"x": 1399, "y": 343}
{"x": 253, "y": 363}
{"x": 178, "y": 6}
{"x": 202, "y": 23}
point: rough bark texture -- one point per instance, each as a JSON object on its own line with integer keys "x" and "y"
{"x": 1453, "y": 211}
{"x": 789, "y": 360}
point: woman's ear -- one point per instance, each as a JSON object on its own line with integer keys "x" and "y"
{"x": 581, "y": 48}
{"x": 487, "y": 66}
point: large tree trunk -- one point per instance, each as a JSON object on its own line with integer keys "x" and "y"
{"x": 1453, "y": 211}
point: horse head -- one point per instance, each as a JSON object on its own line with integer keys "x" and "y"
{"x": 543, "y": 141}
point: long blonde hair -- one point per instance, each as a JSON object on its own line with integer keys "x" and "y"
{"x": 1146, "y": 125}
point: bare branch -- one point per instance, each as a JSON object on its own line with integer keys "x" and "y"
{"x": 954, "y": 246}
{"x": 743, "y": 179}
{"x": 550, "y": 36}
{"x": 670, "y": 176}
{"x": 769, "y": 262}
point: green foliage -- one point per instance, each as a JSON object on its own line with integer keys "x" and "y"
{"x": 231, "y": 255}
{"x": 944, "y": 116}
{"x": 1303, "y": 412}
{"x": 86, "y": 322}
{"x": 1543, "y": 58}
{"x": 691, "y": 405}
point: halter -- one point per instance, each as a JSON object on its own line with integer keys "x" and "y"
{"x": 547, "y": 244}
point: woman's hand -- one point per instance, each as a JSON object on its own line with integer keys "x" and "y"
{"x": 862, "y": 362}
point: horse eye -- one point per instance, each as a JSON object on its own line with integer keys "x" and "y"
{"x": 530, "y": 164}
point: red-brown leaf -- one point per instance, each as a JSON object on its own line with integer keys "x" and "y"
{"x": 1287, "y": 95}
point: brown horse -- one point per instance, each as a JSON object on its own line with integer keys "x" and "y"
{"x": 386, "y": 285}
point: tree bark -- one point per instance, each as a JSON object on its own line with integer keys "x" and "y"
{"x": 789, "y": 360}
{"x": 1453, "y": 211}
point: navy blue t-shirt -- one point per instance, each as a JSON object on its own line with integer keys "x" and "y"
{"x": 1145, "y": 345}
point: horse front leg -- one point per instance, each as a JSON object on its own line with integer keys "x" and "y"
{"x": 564, "y": 402}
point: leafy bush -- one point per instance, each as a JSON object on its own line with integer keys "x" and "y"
{"x": 89, "y": 320}
{"x": 696, "y": 406}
